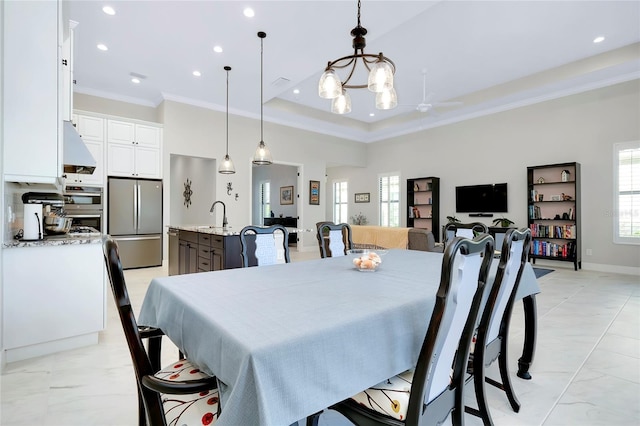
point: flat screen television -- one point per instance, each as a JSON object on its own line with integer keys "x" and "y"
{"x": 491, "y": 198}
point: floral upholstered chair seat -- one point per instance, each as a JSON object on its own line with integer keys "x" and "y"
{"x": 193, "y": 409}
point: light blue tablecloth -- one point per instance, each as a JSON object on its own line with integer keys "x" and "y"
{"x": 289, "y": 340}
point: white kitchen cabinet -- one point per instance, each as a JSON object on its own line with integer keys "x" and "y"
{"x": 67, "y": 71}
{"x": 134, "y": 149}
{"x": 31, "y": 71}
{"x": 91, "y": 130}
{"x": 53, "y": 298}
{"x": 90, "y": 127}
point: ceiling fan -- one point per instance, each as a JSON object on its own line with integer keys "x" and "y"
{"x": 428, "y": 105}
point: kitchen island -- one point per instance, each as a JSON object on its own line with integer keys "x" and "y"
{"x": 203, "y": 248}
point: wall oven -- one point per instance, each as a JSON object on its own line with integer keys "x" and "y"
{"x": 85, "y": 205}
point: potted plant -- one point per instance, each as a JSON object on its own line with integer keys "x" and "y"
{"x": 502, "y": 221}
{"x": 359, "y": 219}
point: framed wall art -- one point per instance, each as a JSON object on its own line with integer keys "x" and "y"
{"x": 314, "y": 192}
{"x": 286, "y": 195}
{"x": 362, "y": 197}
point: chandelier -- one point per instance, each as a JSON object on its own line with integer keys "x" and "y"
{"x": 381, "y": 70}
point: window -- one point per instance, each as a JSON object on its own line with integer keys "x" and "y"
{"x": 340, "y": 202}
{"x": 265, "y": 200}
{"x": 389, "y": 188}
{"x": 626, "y": 210}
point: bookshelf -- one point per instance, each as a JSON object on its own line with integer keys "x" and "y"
{"x": 423, "y": 204}
{"x": 554, "y": 212}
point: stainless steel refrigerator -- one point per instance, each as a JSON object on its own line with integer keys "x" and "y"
{"x": 135, "y": 220}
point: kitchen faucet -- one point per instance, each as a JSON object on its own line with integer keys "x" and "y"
{"x": 224, "y": 213}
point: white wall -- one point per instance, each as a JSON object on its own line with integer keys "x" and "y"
{"x": 499, "y": 147}
{"x": 202, "y": 174}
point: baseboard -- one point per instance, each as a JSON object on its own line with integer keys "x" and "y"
{"x": 40, "y": 349}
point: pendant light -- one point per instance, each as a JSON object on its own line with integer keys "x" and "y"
{"x": 262, "y": 157}
{"x": 226, "y": 167}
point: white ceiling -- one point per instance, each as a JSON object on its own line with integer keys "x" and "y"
{"x": 491, "y": 55}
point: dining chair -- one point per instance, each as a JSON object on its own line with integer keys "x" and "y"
{"x": 177, "y": 394}
{"x": 321, "y": 237}
{"x": 493, "y": 329}
{"x": 336, "y": 239}
{"x": 467, "y": 230}
{"x": 264, "y": 245}
{"x": 428, "y": 393}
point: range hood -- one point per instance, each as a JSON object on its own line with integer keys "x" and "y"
{"x": 76, "y": 157}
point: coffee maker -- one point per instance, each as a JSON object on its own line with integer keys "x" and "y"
{"x": 36, "y": 206}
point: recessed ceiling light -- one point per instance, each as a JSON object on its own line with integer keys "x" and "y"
{"x": 598, "y": 39}
{"x": 371, "y": 114}
{"x": 135, "y": 80}
{"x": 102, "y": 47}
{"x": 197, "y": 73}
{"x": 248, "y": 12}
{"x": 296, "y": 91}
{"x": 217, "y": 49}
{"x": 109, "y": 10}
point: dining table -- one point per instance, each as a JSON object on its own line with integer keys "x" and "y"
{"x": 288, "y": 340}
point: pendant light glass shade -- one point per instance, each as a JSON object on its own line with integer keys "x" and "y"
{"x": 387, "y": 99}
{"x": 341, "y": 104}
{"x": 330, "y": 86}
{"x": 380, "y": 77}
{"x": 262, "y": 157}
{"x": 226, "y": 166}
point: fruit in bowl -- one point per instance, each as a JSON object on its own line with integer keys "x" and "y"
{"x": 365, "y": 260}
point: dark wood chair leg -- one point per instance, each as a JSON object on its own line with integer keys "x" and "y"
{"x": 155, "y": 347}
{"x": 506, "y": 380}
{"x": 142, "y": 414}
{"x": 313, "y": 419}
{"x": 530, "y": 332}
{"x": 478, "y": 384}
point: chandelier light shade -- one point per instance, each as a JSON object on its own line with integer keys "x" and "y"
{"x": 341, "y": 104}
{"x": 381, "y": 70}
{"x": 262, "y": 157}
{"x": 330, "y": 86}
{"x": 226, "y": 166}
{"x": 387, "y": 99}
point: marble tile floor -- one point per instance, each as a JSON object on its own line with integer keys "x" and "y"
{"x": 586, "y": 369}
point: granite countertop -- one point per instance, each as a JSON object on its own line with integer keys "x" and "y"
{"x": 218, "y": 230}
{"x": 56, "y": 240}
{"x": 207, "y": 229}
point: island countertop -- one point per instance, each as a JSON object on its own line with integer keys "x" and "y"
{"x": 218, "y": 230}
{"x": 207, "y": 229}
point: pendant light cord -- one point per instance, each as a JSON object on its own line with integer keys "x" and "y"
{"x": 227, "y": 112}
{"x": 261, "y": 86}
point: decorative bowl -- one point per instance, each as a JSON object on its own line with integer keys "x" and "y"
{"x": 366, "y": 260}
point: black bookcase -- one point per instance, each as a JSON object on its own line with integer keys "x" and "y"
{"x": 554, "y": 212}
{"x": 423, "y": 204}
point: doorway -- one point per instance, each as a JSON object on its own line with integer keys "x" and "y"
{"x": 275, "y": 197}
